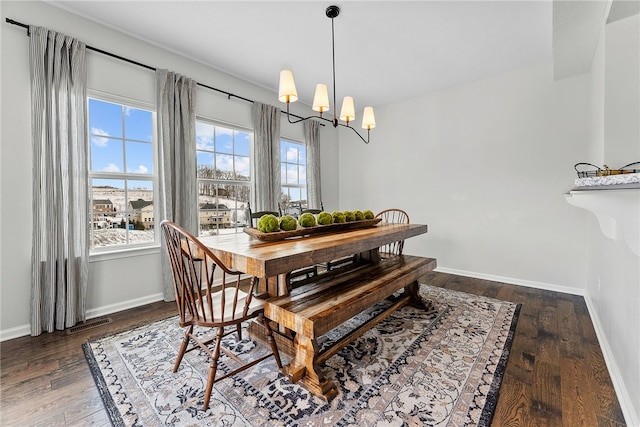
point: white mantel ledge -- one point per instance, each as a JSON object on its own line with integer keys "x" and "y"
{"x": 617, "y": 211}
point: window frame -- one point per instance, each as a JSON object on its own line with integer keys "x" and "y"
{"x": 217, "y": 181}
{"x": 125, "y": 249}
{"x": 303, "y": 187}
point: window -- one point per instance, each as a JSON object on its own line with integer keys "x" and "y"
{"x": 293, "y": 174}
{"x": 122, "y": 173}
{"x": 224, "y": 177}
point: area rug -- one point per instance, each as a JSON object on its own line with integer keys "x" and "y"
{"x": 412, "y": 369}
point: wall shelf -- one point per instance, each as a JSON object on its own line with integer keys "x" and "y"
{"x": 617, "y": 211}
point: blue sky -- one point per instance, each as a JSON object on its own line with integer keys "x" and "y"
{"x": 293, "y": 169}
{"x": 223, "y": 149}
{"x": 121, "y": 141}
{"x": 121, "y": 138}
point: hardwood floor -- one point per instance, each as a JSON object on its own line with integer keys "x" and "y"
{"x": 556, "y": 374}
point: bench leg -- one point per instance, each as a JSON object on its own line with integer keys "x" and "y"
{"x": 415, "y": 301}
{"x": 305, "y": 369}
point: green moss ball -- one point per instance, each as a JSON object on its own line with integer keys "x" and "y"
{"x": 325, "y": 218}
{"x": 307, "y": 220}
{"x": 349, "y": 216}
{"x": 338, "y": 217}
{"x": 359, "y": 215}
{"x": 288, "y": 223}
{"x": 268, "y": 223}
{"x": 368, "y": 214}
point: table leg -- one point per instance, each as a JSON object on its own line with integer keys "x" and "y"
{"x": 271, "y": 286}
{"x": 282, "y": 285}
{"x": 305, "y": 369}
{"x": 415, "y": 301}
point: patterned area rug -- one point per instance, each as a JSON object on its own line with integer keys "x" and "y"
{"x": 413, "y": 369}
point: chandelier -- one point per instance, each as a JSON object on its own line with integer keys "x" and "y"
{"x": 287, "y": 93}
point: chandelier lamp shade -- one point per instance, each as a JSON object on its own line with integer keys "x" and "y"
{"x": 287, "y": 93}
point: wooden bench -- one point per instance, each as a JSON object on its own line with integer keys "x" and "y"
{"x": 316, "y": 308}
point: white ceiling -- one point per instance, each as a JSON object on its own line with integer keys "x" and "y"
{"x": 385, "y": 50}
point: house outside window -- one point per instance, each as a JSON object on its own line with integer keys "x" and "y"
{"x": 223, "y": 174}
{"x": 122, "y": 172}
{"x": 293, "y": 175}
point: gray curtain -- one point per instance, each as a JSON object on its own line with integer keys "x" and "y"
{"x": 266, "y": 188}
{"x": 312, "y": 139}
{"x": 176, "y": 101}
{"x": 60, "y": 241}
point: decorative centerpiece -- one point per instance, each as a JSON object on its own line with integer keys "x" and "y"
{"x": 270, "y": 228}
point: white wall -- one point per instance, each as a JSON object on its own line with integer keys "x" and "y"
{"x": 622, "y": 86}
{"x": 595, "y": 154}
{"x": 613, "y": 279}
{"x": 485, "y": 165}
{"x": 122, "y": 282}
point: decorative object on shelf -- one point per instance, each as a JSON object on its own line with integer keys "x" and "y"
{"x": 287, "y": 93}
{"x": 304, "y": 231}
{"x": 605, "y": 171}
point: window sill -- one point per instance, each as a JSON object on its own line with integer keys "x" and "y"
{"x": 107, "y": 255}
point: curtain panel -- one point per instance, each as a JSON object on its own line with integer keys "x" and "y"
{"x": 266, "y": 188}
{"x": 176, "y": 101}
{"x": 312, "y": 139}
{"x": 60, "y": 240}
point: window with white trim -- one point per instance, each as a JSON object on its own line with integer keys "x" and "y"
{"x": 224, "y": 177}
{"x": 122, "y": 173}
{"x": 293, "y": 176}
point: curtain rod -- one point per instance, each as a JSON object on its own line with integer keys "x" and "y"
{"x": 148, "y": 67}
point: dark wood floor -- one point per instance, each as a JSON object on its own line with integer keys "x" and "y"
{"x": 556, "y": 375}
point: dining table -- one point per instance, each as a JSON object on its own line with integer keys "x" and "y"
{"x": 271, "y": 261}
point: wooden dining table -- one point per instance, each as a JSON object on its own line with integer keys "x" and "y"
{"x": 273, "y": 260}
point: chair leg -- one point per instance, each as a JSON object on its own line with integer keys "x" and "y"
{"x": 183, "y": 348}
{"x": 271, "y": 341}
{"x": 239, "y": 330}
{"x": 213, "y": 367}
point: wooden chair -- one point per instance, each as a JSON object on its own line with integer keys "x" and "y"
{"x": 393, "y": 216}
{"x": 313, "y": 211}
{"x": 203, "y": 303}
{"x": 292, "y": 277}
{"x": 255, "y": 216}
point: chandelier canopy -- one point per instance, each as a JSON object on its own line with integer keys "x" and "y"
{"x": 287, "y": 93}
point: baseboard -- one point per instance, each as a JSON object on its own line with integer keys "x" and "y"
{"x": 124, "y": 305}
{"x": 24, "y": 330}
{"x": 631, "y": 417}
{"x": 513, "y": 281}
{"x": 17, "y": 332}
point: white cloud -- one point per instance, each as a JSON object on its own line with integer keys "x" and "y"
{"x": 243, "y": 166}
{"x": 292, "y": 155}
{"x": 140, "y": 169}
{"x": 204, "y": 136}
{"x": 111, "y": 167}
{"x": 100, "y": 137}
{"x": 224, "y": 162}
{"x": 223, "y": 131}
{"x": 204, "y": 142}
{"x": 127, "y": 110}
